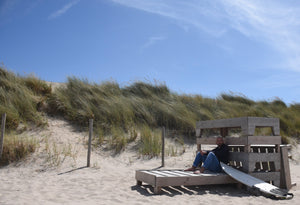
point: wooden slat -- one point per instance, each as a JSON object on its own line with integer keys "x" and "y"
{"x": 247, "y": 124}
{"x": 272, "y": 166}
{"x": 162, "y": 173}
{"x": 263, "y": 122}
{"x": 175, "y": 174}
{"x": 222, "y": 123}
{"x": 206, "y": 140}
{"x": 152, "y": 173}
{"x": 265, "y": 166}
{"x": 264, "y": 140}
{"x": 186, "y": 173}
{"x": 266, "y": 176}
{"x": 227, "y": 140}
{"x": 145, "y": 177}
{"x": 246, "y": 140}
{"x": 285, "y": 180}
{"x": 254, "y": 157}
{"x": 196, "y": 180}
{"x": 236, "y": 140}
{"x": 180, "y": 178}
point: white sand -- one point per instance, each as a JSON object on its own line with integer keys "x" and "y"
{"x": 111, "y": 179}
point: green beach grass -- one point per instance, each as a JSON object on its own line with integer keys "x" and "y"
{"x": 122, "y": 113}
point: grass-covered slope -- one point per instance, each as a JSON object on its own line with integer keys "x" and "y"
{"x": 25, "y": 99}
{"x": 21, "y": 98}
{"x": 121, "y": 112}
{"x": 155, "y": 105}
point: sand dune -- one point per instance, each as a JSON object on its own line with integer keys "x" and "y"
{"x": 110, "y": 179}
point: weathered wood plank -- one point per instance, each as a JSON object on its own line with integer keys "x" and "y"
{"x": 235, "y": 140}
{"x": 265, "y": 166}
{"x": 162, "y": 173}
{"x": 157, "y": 189}
{"x": 268, "y": 176}
{"x": 186, "y": 173}
{"x": 90, "y": 143}
{"x": 145, "y": 177}
{"x": 175, "y": 173}
{"x": 2, "y": 133}
{"x": 254, "y": 157}
{"x": 227, "y": 140}
{"x": 222, "y": 123}
{"x": 206, "y": 140}
{"x": 247, "y": 124}
{"x": 264, "y": 140}
{"x": 196, "y": 180}
{"x": 245, "y": 140}
{"x": 163, "y": 134}
{"x": 152, "y": 173}
{"x": 224, "y": 132}
{"x": 152, "y": 178}
{"x": 179, "y": 178}
{"x": 272, "y": 166}
{"x": 285, "y": 176}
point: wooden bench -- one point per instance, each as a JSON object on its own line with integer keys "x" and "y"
{"x": 164, "y": 178}
{"x": 259, "y": 156}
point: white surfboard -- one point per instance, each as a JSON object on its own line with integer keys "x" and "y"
{"x": 255, "y": 183}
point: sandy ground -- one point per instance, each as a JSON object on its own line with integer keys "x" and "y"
{"x": 110, "y": 179}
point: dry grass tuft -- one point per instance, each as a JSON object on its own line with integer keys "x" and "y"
{"x": 16, "y": 148}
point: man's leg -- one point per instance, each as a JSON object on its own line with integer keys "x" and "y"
{"x": 198, "y": 160}
{"x": 212, "y": 163}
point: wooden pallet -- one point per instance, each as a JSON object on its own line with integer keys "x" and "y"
{"x": 164, "y": 178}
{"x": 260, "y": 156}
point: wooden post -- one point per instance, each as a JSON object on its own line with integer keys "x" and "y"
{"x": 2, "y": 133}
{"x": 163, "y": 147}
{"x": 90, "y": 142}
{"x": 224, "y": 132}
{"x": 285, "y": 176}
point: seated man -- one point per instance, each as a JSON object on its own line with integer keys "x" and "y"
{"x": 211, "y": 159}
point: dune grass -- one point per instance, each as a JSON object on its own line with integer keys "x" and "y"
{"x": 16, "y": 148}
{"x": 21, "y": 98}
{"x": 154, "y": 105}
{"x": 120, "y": 113}
{"x": 150, "y": 143}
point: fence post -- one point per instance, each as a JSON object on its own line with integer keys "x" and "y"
{"x": 90, "y": 142}
{"x": 2, "y": 133}
{"x": 163, "y": 147}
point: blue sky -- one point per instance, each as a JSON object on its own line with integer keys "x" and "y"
{"x": 194, "y": 46}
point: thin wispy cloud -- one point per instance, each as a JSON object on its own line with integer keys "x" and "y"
{"x": 63, "y": 10}
{"x": 275, "y": 23}
{"x": 152, "y": 41}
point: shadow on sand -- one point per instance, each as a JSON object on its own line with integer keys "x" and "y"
{"x": 73, "y": 170}
{"x": 221, "y": 190}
